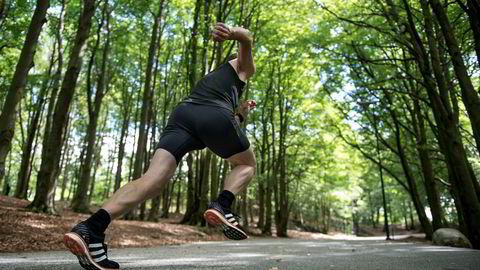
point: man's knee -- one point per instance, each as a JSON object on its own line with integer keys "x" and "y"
{"x": 156, "y": 180}
{"x": 250, "y": 169}
{"x": 253, "y": 170}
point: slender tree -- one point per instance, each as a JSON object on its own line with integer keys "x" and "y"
{"x": 80, "y": 202}
{"x": 19, "y": 80}
{"x": 50, "y": 161}
{"x": 126, "y": 106}
{"x": 192, "y": 204}
{"x": 147, "y": 97}
{"x": 27, "y": 151}
{"x": 469, "y": 95}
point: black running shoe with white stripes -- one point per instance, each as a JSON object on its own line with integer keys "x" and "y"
{"x": 216, "y": 215}
{"x": 89, "y": 248}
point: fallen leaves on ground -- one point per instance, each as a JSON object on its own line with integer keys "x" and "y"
{"x": 21, "y": 230}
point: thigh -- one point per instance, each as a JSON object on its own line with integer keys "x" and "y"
{"x": 162, "y": 165}
{"x": 178, "y": 137}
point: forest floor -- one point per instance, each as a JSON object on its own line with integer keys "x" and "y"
{"x": 21, "y": 230}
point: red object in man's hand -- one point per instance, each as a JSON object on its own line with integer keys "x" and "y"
{"x": 252, "y": 104}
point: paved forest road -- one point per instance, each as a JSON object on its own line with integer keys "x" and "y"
{"x": 274, "y": 254}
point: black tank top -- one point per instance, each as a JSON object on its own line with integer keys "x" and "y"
{"x": 221, "y": 88}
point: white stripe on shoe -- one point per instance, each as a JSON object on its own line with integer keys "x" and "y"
{"x": 230, "y": 230}
{"x": 98, "y": 252}
{"x": 79, "y": 248}
{"x": 100, "y": 259}
{"x": 95, "y": 245}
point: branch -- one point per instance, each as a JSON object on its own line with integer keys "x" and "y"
{"x": 356, "y": 146}
{"x": 363, "y": 24}
{"x": 445, "y": 183}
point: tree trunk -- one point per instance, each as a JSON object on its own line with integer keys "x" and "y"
{"x": 410, "y": 214}
{"x": 422, "y": 217}
{"x": 193, "y": 202}
{"x": 19, "y": 80}
{"x": 155, "y": 205}
{"x": 62, "y": 161}
{"x": 147, "y": 98}
{"x": 178, "y": 197}
{"x": 66, "y": 171}
{"x": 261, "y": 203}
{"x": 469, "y": 95}
{"x": 386, "y": 227}
{"x": 453, "y": 146}
{"x": 56, "y": 81}
{"x": 271, "y": 175}
{"x": 283, "y": 207}
{"x": 127, "y": 104}
{"x": 108, "y": 187}
{"x": 6, "y": 184}
{"x": 263, "y": 184}
{"x": 448, "y": 133}
{"x": 244, "y": 209}
{"x": 473, "y": 12}
{"x": 214, "y": 169}
{"x": 204, "y": 187}
{"x": 225, "y": 170}
{"x": 427, "y": 170}
{"x": 3, "y": 11}
{"x": 192, "y": 64}
{"x": 190, "y": 191}
{"x": 80, "y": 201}
{"x": 51, "y": 159}
{"x": 96, "y": 160}
{"x": 405, "y": 216}
{"x": 24, "y": 172}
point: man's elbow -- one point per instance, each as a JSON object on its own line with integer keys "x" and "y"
{"x": 252, "y": 70}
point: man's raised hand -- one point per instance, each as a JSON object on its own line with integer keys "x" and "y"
{"x": 221, "y": 32}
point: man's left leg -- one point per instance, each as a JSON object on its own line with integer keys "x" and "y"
{"x": 86, "y": 240}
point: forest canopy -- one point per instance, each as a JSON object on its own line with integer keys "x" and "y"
{"x": 364, "y": 108}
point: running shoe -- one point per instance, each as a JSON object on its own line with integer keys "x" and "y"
{"x": 216, "y": 215}
{"x": 89, "y": 248}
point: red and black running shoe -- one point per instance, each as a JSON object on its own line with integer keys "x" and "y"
{"x": 216, "y": 215}
{"x": 89, "y": 248}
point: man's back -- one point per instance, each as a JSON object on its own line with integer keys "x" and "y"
{"x": 221, "y": 88}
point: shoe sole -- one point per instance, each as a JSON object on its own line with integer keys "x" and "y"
{"x": 215, "y": 218}
{"x": 79, "y": 248}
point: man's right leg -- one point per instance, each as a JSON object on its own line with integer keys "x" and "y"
{"x": 86, "y": 240}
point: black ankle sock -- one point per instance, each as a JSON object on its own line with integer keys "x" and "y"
{"x": 225, "y": 199}
{"x": 99, "y": 221}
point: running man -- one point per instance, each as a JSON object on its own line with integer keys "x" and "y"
{"x": 206, "y": 118}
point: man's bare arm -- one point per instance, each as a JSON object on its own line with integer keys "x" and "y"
{"x": 245, "y": 62}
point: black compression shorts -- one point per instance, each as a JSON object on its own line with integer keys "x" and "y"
{"x": 193, "y": 127}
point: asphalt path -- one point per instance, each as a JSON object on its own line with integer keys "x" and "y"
{"x": 270, "y": 254}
